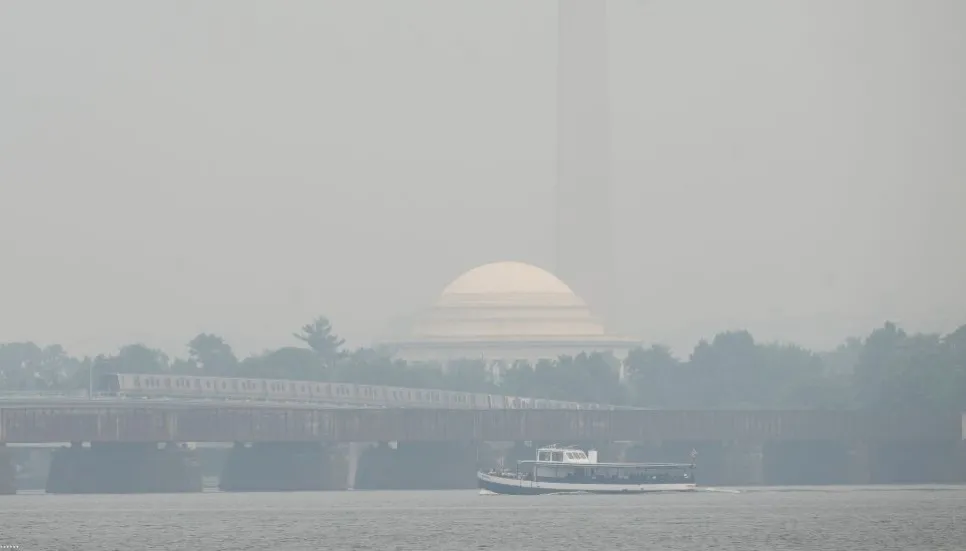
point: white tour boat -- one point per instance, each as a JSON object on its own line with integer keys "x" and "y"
{"x": 570, "y": 470}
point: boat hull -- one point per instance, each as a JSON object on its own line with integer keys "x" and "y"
{"x": 512, "y": 486}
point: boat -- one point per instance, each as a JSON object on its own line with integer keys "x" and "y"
{"x": 557, "y": 469}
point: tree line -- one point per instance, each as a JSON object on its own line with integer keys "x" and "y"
{"x": 888, "y": 368}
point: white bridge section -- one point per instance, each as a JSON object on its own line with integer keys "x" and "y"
{"x": 328, "y": 394}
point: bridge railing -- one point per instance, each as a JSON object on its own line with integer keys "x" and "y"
{"x": 41, "y": 394}
{"x": 182, "y": 386}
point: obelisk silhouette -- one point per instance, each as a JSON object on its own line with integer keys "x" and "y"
{"x": 583, "y": 232}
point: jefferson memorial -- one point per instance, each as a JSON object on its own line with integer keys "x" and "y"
{"x": 507, "y": 311}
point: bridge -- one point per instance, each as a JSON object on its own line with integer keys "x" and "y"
{"x": 132, "y": 446}
{"x": 133, "y": 421}
{"x": 203, "y": 388}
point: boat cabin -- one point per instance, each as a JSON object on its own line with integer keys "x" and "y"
{"x": 571, "y": 465}
{"x": 554, "y": 454}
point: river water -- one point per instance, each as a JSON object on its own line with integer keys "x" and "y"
{"x": 765, "y": 519}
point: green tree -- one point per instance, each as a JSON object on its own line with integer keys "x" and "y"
{"x": 878, "y": 366}
{"x": 520, "y": 379}
{"x": 57, "y": 368}
{"x": 842, "y": 360}
{"x": 319, "y": 336}
{"x": 284, "y": 363}
{"x": 793, "y": 377}
{"x": 185, "y": 367}
{"x": 726, "y": 371}
{"x": 887, "y": 370}
{"x": 582, "y": 378}
{"x": 138, "y": 358}
{"x": 469, "y": 375}
{"x": 954, "y": 345}
{"x": 212, "y": 354}
{"x": 922, "y": 372}
{"x": 20, "y": 366}
{"x": 655, "y": 377}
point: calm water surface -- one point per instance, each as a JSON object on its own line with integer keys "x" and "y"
{"x": 827, "y": 519}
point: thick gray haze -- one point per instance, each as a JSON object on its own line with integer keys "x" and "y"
{"x": 795, "y": 167}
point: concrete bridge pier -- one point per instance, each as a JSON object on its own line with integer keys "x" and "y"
{"x": 284, "y": 467}
{"x": 418, "y": 466}
{"x": 709, "y": 461}
{"x": 35, "y": 464}
{"x": 494, "y": 454}
{"x": 859, "y": 464}
{"x": 374, "y": 469}
{"x": 354, "y": 455}
{"x": 668, "y": 451}
{"x": 612, "y": 452}
{"x": 123, "y": 468}
{"x": 520, "y": 451}
{"x": 916, "y": 462}
{"x": 742, "y": 464}
{"x": 8, "y": 472}
{"x": 504, "y": 454}
{"x": 809, "y": 462}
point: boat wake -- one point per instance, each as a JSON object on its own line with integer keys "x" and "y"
{"x": 484, "y": 492}
{"x": 718, "y": 490}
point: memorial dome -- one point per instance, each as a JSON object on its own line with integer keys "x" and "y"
{"x": 507, "y": 310}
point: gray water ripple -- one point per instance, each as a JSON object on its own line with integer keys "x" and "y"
{"x": 746, "y": 519}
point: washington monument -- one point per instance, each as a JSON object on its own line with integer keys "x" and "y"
{"x": 583, "y": 234}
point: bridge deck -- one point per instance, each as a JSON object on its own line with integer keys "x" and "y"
{"x": 227, "y": 423}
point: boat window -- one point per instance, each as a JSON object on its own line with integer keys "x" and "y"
{"x": 557, "y": 456}
{"x": 544, "y": 456}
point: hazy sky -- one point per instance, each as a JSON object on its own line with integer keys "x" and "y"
{"x": 794, "y": 167}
